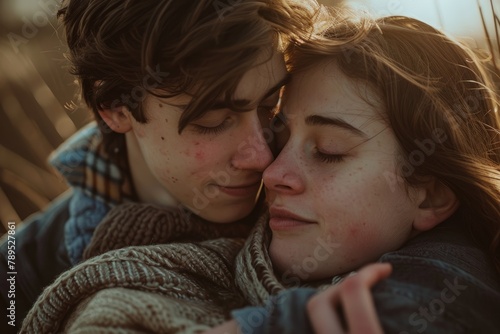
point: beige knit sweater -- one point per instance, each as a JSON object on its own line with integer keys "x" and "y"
{"x": 178, "y": 287}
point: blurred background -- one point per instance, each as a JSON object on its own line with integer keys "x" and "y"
{"x": 36, "y": 91}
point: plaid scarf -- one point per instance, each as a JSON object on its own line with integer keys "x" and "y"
{"x": 98, "y": 184}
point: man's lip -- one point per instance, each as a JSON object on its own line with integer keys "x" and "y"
{"x": 246, "y": 185}
{"x": 280, "y": 213}
{"x": 242, "y": 190}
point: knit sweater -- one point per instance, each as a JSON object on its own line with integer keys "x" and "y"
{"x": 135, "y": 292}
{"x": 135, "y": 224}
{"x": 182, "y": 287}
{"x": 190, "y": 287}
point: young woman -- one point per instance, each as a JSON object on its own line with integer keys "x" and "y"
{"x": 179, "y": 91}
{"x": 393, "y": 156}
{"x": 379, "y": 165}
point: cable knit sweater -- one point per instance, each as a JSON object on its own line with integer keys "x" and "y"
{"x": 182, "y": 287}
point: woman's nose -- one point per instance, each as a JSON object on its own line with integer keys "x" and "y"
{"x": 284, "y": 175}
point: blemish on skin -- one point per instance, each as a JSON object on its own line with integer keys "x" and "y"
{"x": 199, "y": 155}
{"x": 162, "y": 138}
{"x": 197, "y": 143}
{"x": 353, "y": 231}
{"x": 161, "y": 105}
{"x": 174, "y": 179}
{"x": 166, "y": 120}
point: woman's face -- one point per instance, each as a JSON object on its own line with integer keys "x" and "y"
{"x": 334, "y": 204}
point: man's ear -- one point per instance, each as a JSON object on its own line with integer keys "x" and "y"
{"x": 117, "y": 118}
{"x": 437, "y": 204}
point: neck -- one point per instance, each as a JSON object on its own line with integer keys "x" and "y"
{"x": 147, "y": 187}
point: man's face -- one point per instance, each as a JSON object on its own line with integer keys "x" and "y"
{"x": 214, "y": 167}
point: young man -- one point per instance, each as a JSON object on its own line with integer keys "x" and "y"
{"x": 179, "y": 91}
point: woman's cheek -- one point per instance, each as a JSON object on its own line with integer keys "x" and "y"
{"x": 356, "y": 242}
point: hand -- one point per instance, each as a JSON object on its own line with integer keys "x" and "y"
{"x": 354, "y": 296}
{"x": 229, "y": 327}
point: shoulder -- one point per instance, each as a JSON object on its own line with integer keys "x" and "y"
{"x": 38, "y": 239}
{"x": 441, "y": 281}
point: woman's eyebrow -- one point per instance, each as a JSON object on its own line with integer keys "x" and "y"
{"x": 315, "y": 120}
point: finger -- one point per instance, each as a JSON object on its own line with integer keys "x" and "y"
{"x": 229, "y": 327}
{"x": 322, "y": 308}
{"x": 357, "y": 299}
{"x": 370, "y": 274}
{"x": 323, "y": 313}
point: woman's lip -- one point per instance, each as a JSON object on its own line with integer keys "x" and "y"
{"x": 281, "y": 219}
{"x": 241, "y": 191}
{"x": 282, "y": 213}
{"x": 283, "y": 224}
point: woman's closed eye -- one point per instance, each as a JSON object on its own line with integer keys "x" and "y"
{"x": 328, "y": 157}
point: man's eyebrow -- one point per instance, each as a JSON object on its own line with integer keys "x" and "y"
{"x": 337, "y": 122}
{"x": 244, "y": 102}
